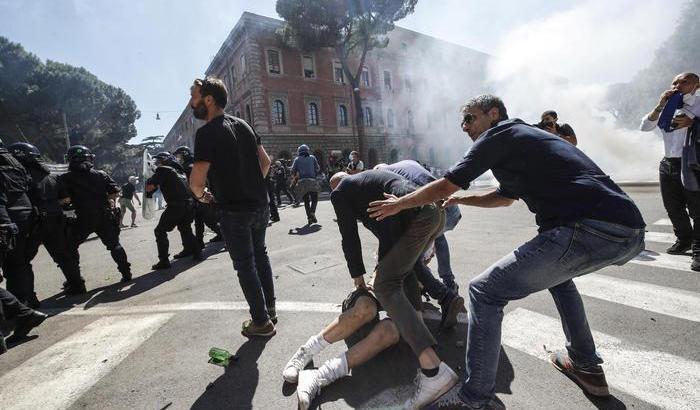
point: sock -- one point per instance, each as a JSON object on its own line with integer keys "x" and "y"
{"x": 430, "y": 372}
{"x": 316, "y": 344}
{"x": 335, "y": 368}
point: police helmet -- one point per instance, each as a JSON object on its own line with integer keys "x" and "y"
{"x": 163, "y": 157}
{"x": 79, "y": 153}
{"x": 24, "y": 150}
{"x": 184, "y": 150}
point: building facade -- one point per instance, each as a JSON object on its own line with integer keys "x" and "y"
{"x": 411, "y": 92}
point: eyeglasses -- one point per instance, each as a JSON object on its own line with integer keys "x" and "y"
{"x": 468, "y": 118}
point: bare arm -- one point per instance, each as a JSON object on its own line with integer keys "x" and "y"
{"x": 264, "y": 160}
{"x": 440, "y": 189}
{"x": 198, "y": 180}
{"x": 654, "y": 115}
{"x": 489, "y": 199}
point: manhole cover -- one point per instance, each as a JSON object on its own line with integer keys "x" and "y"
{"x": 314, "y": 264}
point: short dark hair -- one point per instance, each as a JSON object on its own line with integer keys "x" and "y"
{"x": 550, "y": 113}
{"x": 484, "y": 103}
{"x": 214, "y": 87}
{"x": 692, "y": 76}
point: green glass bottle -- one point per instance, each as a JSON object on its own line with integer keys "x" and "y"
{"x": 219, "y": 357}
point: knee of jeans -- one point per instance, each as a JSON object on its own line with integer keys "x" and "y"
{"x": 388, "y": 332}
{"x": 480, "y": 292}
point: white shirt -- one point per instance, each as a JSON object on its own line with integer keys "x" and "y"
{"x": 674, "y": 140}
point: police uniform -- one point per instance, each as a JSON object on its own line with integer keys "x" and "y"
{"x": 49, "y": 226}
{"x": 204, "y": 214}
{"x": 16, "y": 214}
{"x": 89, "y": 189}
{"x": 172, "y": 181}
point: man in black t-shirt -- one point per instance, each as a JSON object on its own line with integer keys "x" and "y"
{"x": 586, "y": 222}
{"x": 230, "y": 154}
{"x": 171, "y": 179}
{"x": 126, "y": 201}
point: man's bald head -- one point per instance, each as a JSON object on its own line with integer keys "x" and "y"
{"x": 686, "y": 83}
{"x": 336, "y": 178}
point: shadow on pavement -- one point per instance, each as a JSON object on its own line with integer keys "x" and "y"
{"x": 236, "y": 387}
{"x": 305, "y": 230}
{"x": 119, "y": 291}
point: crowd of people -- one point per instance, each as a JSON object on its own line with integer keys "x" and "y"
{"x": 230, "y": 184}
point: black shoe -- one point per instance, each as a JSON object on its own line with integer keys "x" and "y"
{"x": 126, "y": 277}
{"x": 161, "y": 265}
{"x": 26, "y": 324}
{"x": 33, "y": 302}
{"x": 3, "y": 346}
{"x": 217, "y": 238}
{"x": 591, "y": 379}
{"x": 695, "y": 265}
{"x": 272, "y": 312}
{"x": 679, "y": 248}
{"x": 199, "y": 256}
{"x": 313, "y": 219}
{"x": 450, "y": 308}
{"x": 182, "y": 254}
{"x": 77, "y": 288}
{"x": 275, "y": 219}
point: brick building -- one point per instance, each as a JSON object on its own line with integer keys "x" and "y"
{"x": 411, "y": 92}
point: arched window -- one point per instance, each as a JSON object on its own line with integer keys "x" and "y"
{"x": 278, "y": 116}
{"x": 342, "y": 116}
{"x": 248, "y": 114}
{"x": 368, "y": 117}
{"x": 313, "y": 114}
{"x": 390, "y": 118}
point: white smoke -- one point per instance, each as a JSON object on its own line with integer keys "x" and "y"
{"x": 565, "y": 62}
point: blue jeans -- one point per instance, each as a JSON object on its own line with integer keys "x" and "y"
{"x": 244, "y": 233}
{"x": 442, "y": 249}
{"x": 548, "y": 261}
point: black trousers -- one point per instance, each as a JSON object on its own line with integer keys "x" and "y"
{"x": 16, "y": 267}
{"x": 205, "y": 214}
{"x": 274, "y": 213}
{"x": 681, "y": 205}
{"x": 11, "y": 308}
{"x": 51, "y": 231}
{"x": 105, "y": 223}
{"x": 310, "y": 202}
{"x": 280, "y": 188}
{"x": 180, "y": 215}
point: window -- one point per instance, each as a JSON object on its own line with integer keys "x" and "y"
{"x": 364, "y": 79}
{"x": 390, "y": 118}
{"x": 387, "y": 80}
{"x": 307, "y": 63}
{"x": 313, "y": 114}
{"x": 278, "y": 115}
{"x": 404, "y": 47}
{"x": 273, "y": 62}
{"x": 248, "y": 115}
{"x": 243, "y": 65}
{"x": 368, "y": 117}
{"x": 338, "y": 74}
{"x": 342, "y": 116}
{"x": 232, "y": 70}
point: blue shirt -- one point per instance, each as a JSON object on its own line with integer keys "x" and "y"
{"x": 412, "y": 171}
{"x": 557, "y": 181}
{"x": 306, "y": 166}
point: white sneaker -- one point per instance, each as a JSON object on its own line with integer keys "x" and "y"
{"x": 310, "y": 384}
{"x": 429, "y": 389}
{"x": 301, "y": 358}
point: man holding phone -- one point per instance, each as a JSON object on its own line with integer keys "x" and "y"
{"x": 681, "y": 204}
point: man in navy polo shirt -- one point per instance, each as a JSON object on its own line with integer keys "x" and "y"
{"x": 586, "y": 222}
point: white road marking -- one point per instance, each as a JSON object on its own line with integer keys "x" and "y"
{"x": 678, "y": 303}
{"x": 659, "y": 378}
{"x": 660, "y": 237}
{"x": 663, "y": 222}
{"x": 281, "y": 306}
{"x": 59, "y": 375}
{"x": 663, "y": 260}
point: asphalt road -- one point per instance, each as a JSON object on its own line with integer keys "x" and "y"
{"x": 144, "y": 345}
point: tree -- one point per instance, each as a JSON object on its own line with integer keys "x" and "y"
{"x": 52, "y": 104}
{"x": 351, "y": 27}
{"x": 630, "y": 101}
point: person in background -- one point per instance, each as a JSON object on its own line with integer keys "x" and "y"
{"x": 126, "y": 201}
{"x": 305, "y": 169}
{"x": 281, "y": 175}
{"x": 355, "y": 165}
{"x": 549, "y": 123}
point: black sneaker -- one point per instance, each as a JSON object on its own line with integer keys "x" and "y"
{"x": 182, "y": 254}
{"x": 76, "y": 288}
{"x": 590, "y": 379}
{"x": 126, "y": 277}
{"x": 26, "y": 324}
{"x": 679, "y": 248}
{"x": 450, "y": 310}
{"x": 312, "y": 218}
{"x": 161, "y": 265}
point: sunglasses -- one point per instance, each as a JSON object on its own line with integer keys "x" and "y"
{"x": 468, "y": 118}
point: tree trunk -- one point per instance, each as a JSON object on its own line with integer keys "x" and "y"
{"x": 359, "y": 120}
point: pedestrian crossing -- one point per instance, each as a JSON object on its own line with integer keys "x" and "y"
{"x": 59, "y": 375}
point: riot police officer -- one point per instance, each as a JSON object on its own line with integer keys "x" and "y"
{"x": 170, "y": 177}
{"x": 18, "y": 217}
{"x": 204, "y": 214}
{"x": 93, "y": 193}
{"x": 49, "y": 223}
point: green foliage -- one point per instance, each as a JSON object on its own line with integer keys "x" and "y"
{"x": 631, "y": 101}
{"x": 35, "y": 96}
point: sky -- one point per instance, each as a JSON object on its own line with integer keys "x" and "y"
{"x": 154, "y": 48}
